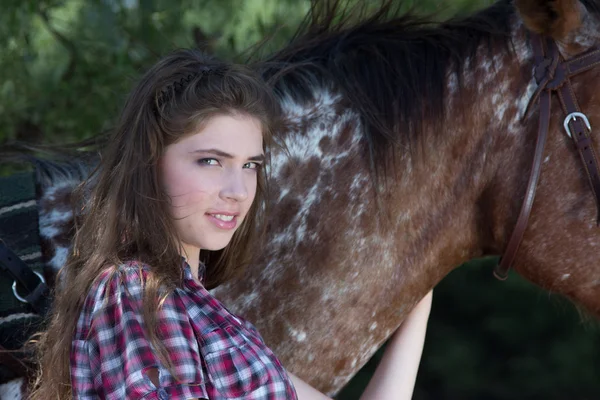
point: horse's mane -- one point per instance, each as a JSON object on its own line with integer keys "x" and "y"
{"x": 391, "y": 67}
{"x": 592, "y": 6}
{"x": 66, "y": 163}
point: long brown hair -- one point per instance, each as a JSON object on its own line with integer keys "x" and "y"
{"x": 124, "y": 212}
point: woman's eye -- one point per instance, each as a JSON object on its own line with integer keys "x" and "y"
{"x": 252, "y": 165}
{"x": 208, "y": 161}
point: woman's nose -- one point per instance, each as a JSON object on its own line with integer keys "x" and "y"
{"x": 235, "y": 186}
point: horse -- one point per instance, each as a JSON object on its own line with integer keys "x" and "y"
{"x": 407, "y": 150}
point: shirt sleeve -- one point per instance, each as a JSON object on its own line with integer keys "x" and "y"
{"x": 120, "y": 352}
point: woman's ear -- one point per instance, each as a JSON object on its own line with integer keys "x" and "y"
{"x": 554, "y": 18}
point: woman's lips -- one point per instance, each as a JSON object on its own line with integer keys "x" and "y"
{"x": 223, "y": 220}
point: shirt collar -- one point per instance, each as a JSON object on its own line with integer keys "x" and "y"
{"x": 187, "y": 271}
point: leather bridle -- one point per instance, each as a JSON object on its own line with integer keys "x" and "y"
{"x": 552, "y": 75}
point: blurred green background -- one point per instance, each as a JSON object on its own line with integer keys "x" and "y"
{"x": 66, "y": 66}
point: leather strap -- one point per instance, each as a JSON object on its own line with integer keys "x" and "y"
{"x": 582, "y": 63}
{"x": 501, "y": 271}
{"x": 36, "y": 292}
{"x": 583, "y": 142}
{"x": 552, "y": 75}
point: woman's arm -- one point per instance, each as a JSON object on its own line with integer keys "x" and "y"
{"x": 397, "y": 372}
{"x": 305, "y": 391}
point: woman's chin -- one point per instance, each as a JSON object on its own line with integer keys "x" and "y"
{"x": 215, "y": 246}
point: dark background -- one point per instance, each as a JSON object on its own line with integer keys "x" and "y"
{"x": 65, "y": 68}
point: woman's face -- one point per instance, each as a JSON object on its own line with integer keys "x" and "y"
{"x": 211, "y": 178}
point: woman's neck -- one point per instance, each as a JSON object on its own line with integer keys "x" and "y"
{"x": 192, "y": 256}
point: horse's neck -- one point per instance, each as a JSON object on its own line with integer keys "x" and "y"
{"x": 449, "y": 201}
{"x": 456, "y": 199}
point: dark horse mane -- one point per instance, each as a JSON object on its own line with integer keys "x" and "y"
{"x": 391, "y": 67}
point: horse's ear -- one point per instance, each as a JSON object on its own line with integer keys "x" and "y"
{"x": 555, "y": 18}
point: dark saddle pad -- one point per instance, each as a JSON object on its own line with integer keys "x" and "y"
{"x": 19, "y": 230}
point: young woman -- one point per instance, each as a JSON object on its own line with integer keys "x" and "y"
{"x": 175, "y": 209}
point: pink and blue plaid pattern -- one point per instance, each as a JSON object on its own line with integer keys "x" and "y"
{"x": 214, "y": 354}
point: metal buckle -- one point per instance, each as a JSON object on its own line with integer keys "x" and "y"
{"x": 14, "y": 287}
{"x": 573, "y": 116}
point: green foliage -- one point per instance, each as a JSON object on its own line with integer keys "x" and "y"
{"x": 67, "y": 65}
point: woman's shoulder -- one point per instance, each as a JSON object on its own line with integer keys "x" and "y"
{"x": 130, "y": 273}
{"x": 119, "y": 290}
{"x": 114, "y": 281}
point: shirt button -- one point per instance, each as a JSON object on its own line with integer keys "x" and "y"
{"x": 162, "y": 394}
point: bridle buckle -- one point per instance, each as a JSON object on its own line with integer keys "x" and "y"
{"x": 573, "y": 116}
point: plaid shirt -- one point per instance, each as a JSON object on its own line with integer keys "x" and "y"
{"x": 214, "y": 354}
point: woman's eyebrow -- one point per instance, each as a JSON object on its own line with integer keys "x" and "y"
{"x": 220, "y": 153}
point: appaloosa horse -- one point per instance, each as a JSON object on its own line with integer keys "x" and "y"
{"x": 408, "y": 151}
